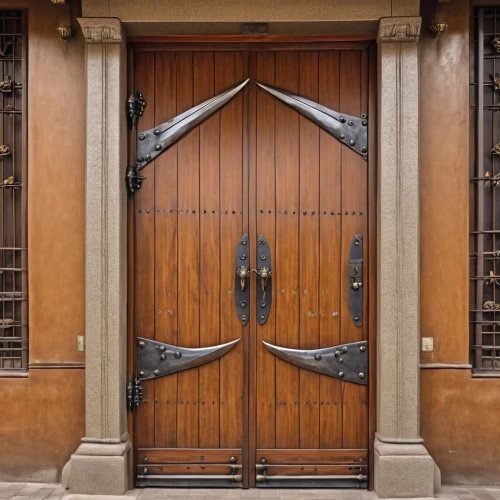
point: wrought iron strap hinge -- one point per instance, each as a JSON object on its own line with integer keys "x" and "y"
{"x": 347, "y": 362}
{"x": 155, "y": 141}
{"x": 156, "y": 359}
{"x": 355, "y": 270}
{"x": 350, "y": 130}
{"x": 135, "y": 108}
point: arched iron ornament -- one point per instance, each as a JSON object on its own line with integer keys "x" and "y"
{"x": 156, "y": 359}
{"x": 154, "y": 141}
{"x": 350, "y": 130}
{"x": 347, "y": 362}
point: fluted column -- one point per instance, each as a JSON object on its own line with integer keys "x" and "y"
{"x": 403, "y": 467}
{"x": 100, "y": 463}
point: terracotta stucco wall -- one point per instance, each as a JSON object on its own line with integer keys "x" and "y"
{"x": 42, "y": 416}
{"x": 459, "y": 414}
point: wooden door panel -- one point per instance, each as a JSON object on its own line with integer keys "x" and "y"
{"x": 210, "y": 265}
{"x": 265, "y": 202}
{"x": 286, "y": 261}
{"x": 145, "y": 265}
{"x": 330, "y": 189}
{"x": 320, "y": 203}
{"x": 166, "y": 317}
{"x": 294, "y": 456}
{"x": 256, "y": 161}
{"x": 189, "y": 217}
{"x": 309, "y": 181}
{"x": 354, "y": 220}
{"x": 229, "y": 69}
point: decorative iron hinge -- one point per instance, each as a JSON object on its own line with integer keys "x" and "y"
{"x": 133, "y": 178}
{"x": 135, "y": 108}
{"x": 134, "y": 394}
{"x": 350, "y": 130}
{"x": 156, "y": 359}
{"x": 347, "y": 362}
{"x": 153, "y": 142}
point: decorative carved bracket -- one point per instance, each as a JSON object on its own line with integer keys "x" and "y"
{"x": 399, "y": 29}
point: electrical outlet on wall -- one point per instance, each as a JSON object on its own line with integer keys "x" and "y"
{"x": 427, "y": 344}
{"x": 80, "y": 343}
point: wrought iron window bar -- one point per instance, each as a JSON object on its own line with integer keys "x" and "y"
{"x": 485, "y": 202}
{"x": 13, "y": 194}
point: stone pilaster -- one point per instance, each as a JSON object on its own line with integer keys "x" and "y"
{"x": 99, "y": 465}
{"x": 403, "y": 467}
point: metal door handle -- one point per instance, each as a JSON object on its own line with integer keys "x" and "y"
{"x": 264, "y": 274}
{"x": 243, "y": 274}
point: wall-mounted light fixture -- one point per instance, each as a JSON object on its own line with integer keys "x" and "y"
{"x": 65, "y": 32}
{"x": 437, "y": 30}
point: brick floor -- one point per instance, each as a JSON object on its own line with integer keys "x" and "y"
{"x": 39, "y": 491}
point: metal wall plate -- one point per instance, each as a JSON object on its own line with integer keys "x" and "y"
{"x": 242, "y": 280}
{"x": 156, "y": 359}
{"x": 263, "y": 274}
{"x": 355, "y": 270}
{"x": 347, "y": 362}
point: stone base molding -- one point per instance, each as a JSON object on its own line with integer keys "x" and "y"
{"x": 404, "y": 471}
{"x": 100, "y": 465}
{"x": 403, "y": 467}
{"x": 98, "y": 468}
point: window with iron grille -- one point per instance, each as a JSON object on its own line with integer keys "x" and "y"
{"x": 13, "y": 244}
{"x": 485, "y": 191}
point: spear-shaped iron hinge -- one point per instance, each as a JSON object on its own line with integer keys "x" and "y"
{"x": 153, "y": 142}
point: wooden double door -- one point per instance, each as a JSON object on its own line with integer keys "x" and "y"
{"x": 255, "y": 167}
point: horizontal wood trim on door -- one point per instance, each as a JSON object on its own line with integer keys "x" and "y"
{"x": 246, "y": 46}
{"x": 187, "y": 455}
{"x": 315, "y": 470}
{"x": 190, "y": 469}
{"x": 304, "y": 457}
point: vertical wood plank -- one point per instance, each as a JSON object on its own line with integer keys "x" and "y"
{"x": 330, "y": 237}
{"x": 204, "y": 79}
{"x": 229, "y": 70}
{"x": 166, "y": 249}
{"x": 286, "y": 262}
{"x": 354, "y": 220}
{"x": 265, "y": 214}
{"x": 188, "y": 257}
{"x": 309, "y": 250}
{"x": 145, "y": 248}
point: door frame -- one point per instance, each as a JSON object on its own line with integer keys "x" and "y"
{"x": 268, "y": 43}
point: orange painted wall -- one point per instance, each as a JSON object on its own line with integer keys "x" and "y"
{"x": 42, "y": 416}
{"x": 459, "y": 414}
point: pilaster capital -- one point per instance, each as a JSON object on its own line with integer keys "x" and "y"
{"x": 103, "y": 30}
{"x": 399, "y": 29}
